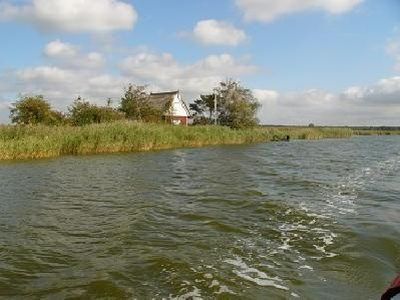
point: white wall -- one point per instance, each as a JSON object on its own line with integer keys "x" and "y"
{"x": 178, "y": 108}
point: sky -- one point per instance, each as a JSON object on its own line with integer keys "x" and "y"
{"x": 327, "y": 62}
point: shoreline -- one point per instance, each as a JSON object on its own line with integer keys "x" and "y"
{"x": 36, "y": 142}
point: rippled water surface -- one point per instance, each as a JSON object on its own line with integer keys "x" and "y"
{"x": 309, "y": 220}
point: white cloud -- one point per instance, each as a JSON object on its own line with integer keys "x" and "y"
{"x": 97, "y": 16}
{"x": 388, "y": 86}
{"x": 213, "y": 32}
{"x": 269, "y": 10}
{"x": 166, "y": 73}
{"x": 59, "y": 49}
{"x": 52, "y": 75}
{"x": 267, "y": 97}
{"x": 354, "y": 92}
{"x": 378, "y": 104}
{"x": 70, "y": 56}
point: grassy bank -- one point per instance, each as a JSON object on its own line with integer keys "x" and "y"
{"x": 23, "y": 142}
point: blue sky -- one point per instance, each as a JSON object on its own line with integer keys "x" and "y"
{"x": 330, "y": 62}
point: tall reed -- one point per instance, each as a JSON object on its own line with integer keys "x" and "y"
{"x": 29, "y": 142}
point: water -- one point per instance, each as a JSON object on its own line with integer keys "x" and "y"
{"x": 307, "y": 220}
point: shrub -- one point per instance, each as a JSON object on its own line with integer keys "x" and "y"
{"x": 32, "y": 110}
{"x": 83, "y": 113}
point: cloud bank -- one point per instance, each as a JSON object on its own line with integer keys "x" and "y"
{"x": 200, "y": 77}
{"x": 69, "y": 72}
{"x": 378, "y": 104}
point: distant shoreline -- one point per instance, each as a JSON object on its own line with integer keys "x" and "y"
{"x": 35, "y": 142}
{"x": 381, "y": 128}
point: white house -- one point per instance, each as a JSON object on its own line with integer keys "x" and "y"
{"x": 176, "y": 110}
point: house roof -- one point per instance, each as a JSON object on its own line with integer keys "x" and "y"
{"x": 161, "y": 100}
{"x": 164, "y": 99}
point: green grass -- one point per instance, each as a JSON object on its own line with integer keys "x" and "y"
{"x": 31, "y": 142}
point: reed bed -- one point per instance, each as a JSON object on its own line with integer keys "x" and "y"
{"x": 32, "y": 142}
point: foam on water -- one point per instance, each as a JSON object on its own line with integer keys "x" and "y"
{"x": 193, "y": 295}
{"x": 316, "y": 229}
{"x": 204, "y": 282}
{"x": 254, "y": 275}
{"x": 306, "y": 267}
{"x": 339, "y": 199}
{"x": 342, "y": 198}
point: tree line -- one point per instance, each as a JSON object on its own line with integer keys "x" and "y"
{"x": 236, "y": 107}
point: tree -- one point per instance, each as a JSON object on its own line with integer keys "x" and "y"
{"x": 237, "y": 106}
{"x": 57, "y": 118}
{"x": 203, "y": 109}
{"x": 135, "y": 104}
{"x": 83, "y": 113}
{"x": 32, "y": 110}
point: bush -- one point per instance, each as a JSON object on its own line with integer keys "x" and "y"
{"x": 200, "y": 120}
{"x": 83, "y": 113}
{"x": 32, "y": 110}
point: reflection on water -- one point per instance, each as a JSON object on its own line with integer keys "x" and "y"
{"x": 279, "y": 220}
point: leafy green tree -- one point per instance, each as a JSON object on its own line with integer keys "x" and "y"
{"x": 135, "y": 104}
{"x": 203, "y": 109}
{"x": 32, "y": 110}
{"x": 83, "y": 113}
{"x": 237, "y": 106}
